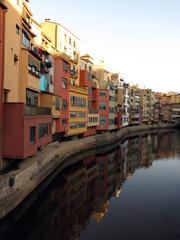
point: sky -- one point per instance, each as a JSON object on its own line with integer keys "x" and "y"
{"x": 138, "y": 38}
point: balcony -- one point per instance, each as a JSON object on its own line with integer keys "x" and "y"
{"x": 94, "y": 98}
{"x": 95, "y": 84}
{"x": 36, "y": 52}
{"x": 35, "y": 110}
{"x": 93, "y": 119}
{"x": 78, "y": 89}
{"x": 73, "y": 73}
{"x": 93, "y": 111}
{"x": 74, "y": 59}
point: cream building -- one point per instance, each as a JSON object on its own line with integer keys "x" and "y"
{"x": 66, "y": 42}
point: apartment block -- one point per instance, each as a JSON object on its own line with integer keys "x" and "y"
{"x": 123, "y": 103}
{"x": 135, "y": 113}
{"x": 113, "y": 92}
{"x": 62, "y": 79}
{"x": 87, "y": 80}
{"x": 78, "y": 111}
{"x": 25, "y": 119}
{"x": 66, "y": 42}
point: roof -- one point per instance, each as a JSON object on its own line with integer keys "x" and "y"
{"x": 56, "y": 23}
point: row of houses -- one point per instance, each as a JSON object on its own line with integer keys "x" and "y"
{"x": 49, "y": 91}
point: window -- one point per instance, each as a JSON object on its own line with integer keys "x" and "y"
{"x": 102, "y": 121}
{"x": 89, "y": 76}
{"x": 74, "y": 44}
{"x": 70, "y": 41}
{"x": 93, "y": 119}
{"x": 65, "y": 37}
{"x": 112, "y": 110}
{"x": 102, "y": 105}
{"x": 15, "y": 59}
{"x": 64, "y": 104}
{"x": 102, "y": 94}
{"x": 5, "y": 96}
{"x": 43, "y": 130}
{"x": 17, "y": 29}
{"x": 89, "y": 91}
{"x": 111, "y": 121}
{"x": 77, "y": 125}
{"x": 78, "y": 102}
{"x": 65, "y": 66}
{"x": 57, "y": 103}
{"x": 32, "y": 135}
{"x": 64, "y": 83}
{"x": 111, "y": 98}
{"x": 77, "y": 115}
{"x": 25, "y": 39}
{"x": 64, "y": 121}
{"x": 31, "y": 98}
{"x": 34, "y": 66}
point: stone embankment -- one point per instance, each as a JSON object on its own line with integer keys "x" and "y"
{"x": 17, "y": 185}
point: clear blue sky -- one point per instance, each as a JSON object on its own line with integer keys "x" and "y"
{"x": 139, "y": 38}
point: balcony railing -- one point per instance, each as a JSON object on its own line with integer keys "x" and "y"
{"x": 93, "y": 111}
{"x": 34, "y": 110}
{"x": 94, "y": 98}
{"x": 74, "y": 73}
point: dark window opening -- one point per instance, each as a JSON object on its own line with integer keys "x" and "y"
{"x": 32, "y": 135}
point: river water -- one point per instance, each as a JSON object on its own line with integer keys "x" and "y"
{"x": 130, "y": 193}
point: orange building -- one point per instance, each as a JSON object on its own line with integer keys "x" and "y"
{"x": 25, "y": 118}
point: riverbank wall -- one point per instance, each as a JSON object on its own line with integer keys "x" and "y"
{"x": 17, "y": 185}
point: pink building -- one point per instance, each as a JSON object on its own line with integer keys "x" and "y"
{"x": 101, "y": 102}
{"x": 26, "y": 129}
{"x": 62, "y": 76}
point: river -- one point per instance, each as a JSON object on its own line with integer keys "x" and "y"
{"x": 130, "y": 193}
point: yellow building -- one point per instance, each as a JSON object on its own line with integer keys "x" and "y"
{"x": 78, "y": 111}
{"x": 12, "y": 50}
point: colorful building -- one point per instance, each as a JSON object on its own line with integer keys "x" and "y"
{"x": 123, "y": 103}
{"x": 62, "y": 80}
{"x": 78, "y": 110}
{"x": 66, "y": 42}
{"x": 175, "y": 113}
{"x": 113, "y": 118}
{"x": 26, "y": 118}
{"x": 87, "y": 80}
{"x": 135, "y": 108}
{"x": 101, "y": 97}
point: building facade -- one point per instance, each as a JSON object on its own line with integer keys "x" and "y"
{"x": 3, "y": 9}
{"x": 78, "y": 110}
{"x": 135, "y": 113}
{"x": 87, "y": 80}
{"x": 25, "y": 65}
{"x": 66, "y": 42}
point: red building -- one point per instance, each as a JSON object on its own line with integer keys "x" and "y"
{"x": 87, "y": 80}
{"x": 119, "y": 119}
{"x": 101, "y": 102}
{"x": 2, "y": 29}
{"x": 25, "y": 130}
{"x": 62, "y": 79}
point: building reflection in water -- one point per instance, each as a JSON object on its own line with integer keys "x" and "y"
{"x": 82, "y": 191}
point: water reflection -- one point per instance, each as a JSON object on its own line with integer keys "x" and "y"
{"x": 82, "y": 192}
